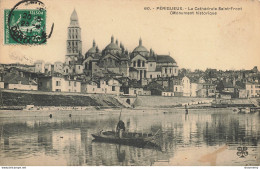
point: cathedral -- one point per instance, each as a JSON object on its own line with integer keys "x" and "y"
{"x": 114, "y": 58}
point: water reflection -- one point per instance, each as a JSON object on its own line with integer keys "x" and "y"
{"x": 198, "y": 138}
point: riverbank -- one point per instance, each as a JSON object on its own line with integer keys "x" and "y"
{"x": 14, "y": 99}
{"x": 56, "y": 101}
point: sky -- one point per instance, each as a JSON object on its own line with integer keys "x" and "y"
{"x": 228, "y": 40}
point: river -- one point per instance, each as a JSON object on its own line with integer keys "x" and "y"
{"x": 202, "y": 137}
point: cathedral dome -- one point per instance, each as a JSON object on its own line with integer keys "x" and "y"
{"x": 140, "y": 48}
{"x": 112, "y": 45}
{"x": 93, "y": 49}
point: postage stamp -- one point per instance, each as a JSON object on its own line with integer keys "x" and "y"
{"x": 25, "y": 23}
{"x": 25, "y": 27}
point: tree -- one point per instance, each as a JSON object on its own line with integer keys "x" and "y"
{"x": 220, "y": 86}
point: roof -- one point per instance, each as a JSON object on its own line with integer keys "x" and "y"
{"x": 227, "y": 84}
{"x": 151, "y": 59}
{"x": 165, "y": 59}
{"x": 15, "y": 79}
{"x": 38, "y": 61}
{"x": 112, "y": 45}
{"x": 92, "y": 50}
{"x": 90, "y": 82}
{"x": 140, "y": 47}
{"x": 74, "y": 19}
{"x": 74, "y": 16}
{"x": 134, "y": 84}
{"x": 131, "y": 69}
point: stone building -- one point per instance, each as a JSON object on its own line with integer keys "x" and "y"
{"x": 114, "y": 58}
{"x": 74, "y": 57}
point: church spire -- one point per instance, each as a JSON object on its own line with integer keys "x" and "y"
{"x": 74, "y": 19}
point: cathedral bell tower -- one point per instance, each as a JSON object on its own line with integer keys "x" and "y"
{"x": 74, "y": 43}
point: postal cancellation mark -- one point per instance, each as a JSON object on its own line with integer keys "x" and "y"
{"x": 25, "y": 23}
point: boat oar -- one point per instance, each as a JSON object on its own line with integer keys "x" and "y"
{"x": 156, "y": 133}
{"x": 152, "y": 137}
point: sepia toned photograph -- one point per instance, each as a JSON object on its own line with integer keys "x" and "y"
{"x": 130, "y": 83}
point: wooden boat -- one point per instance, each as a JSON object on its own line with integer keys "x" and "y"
{"x": 132, "y": 139}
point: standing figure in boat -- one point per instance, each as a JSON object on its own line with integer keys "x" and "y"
{"x": 120, "y": 128}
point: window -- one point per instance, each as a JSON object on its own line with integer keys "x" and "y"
{"x": 134, "y": 63}
{"x": 175, "y": 70}
{"x": 139, "y": 63}
{"x": 176, "y": 89}
{"x": 151, "y": 65}
{"x": 134, "y": 91}
{"x": 69, "y": 83}
{"x": 57, "y": 83}
{"x": 113, "y": 88}
{"x": 166, "y": 70}
{"x": 75, "y": 84}
{"x": 93, "y": 89}
{"x": 151, "y": 76}
{"x": 58, "y": 90}
{"x": 143, "y": 64}
{"x": 170, "y": 70}
{"x": 79, "y": 67}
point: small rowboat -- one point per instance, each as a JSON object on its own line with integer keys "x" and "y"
{"x": 132, "y": 139}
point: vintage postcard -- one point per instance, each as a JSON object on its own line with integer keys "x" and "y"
{"x": 130, "y": 83}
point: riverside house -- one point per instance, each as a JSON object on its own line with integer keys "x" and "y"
{"x": 15, "y": 81}
{"x": 102, "y": 86}
{"x": 253, "y": 89}
{"x": 186, "y": 86}
{"x": 58, "y": 84}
